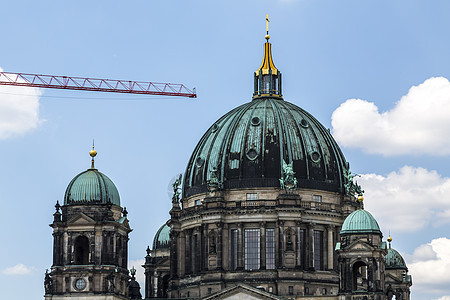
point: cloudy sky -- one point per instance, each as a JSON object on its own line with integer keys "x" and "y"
{"x": 375, "y": 72}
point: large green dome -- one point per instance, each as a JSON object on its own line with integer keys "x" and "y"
{"x": 162, "y": 238}
{"x": 360, "y": 221}
{"x": 91, "y": 186}
{"x": 247, "y": 146}
{"x": 394, "y": 260}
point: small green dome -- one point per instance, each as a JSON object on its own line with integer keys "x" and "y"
{"x": 360, "y": 221}
{"x": 394, "y": 260}
{"x": 162, "y": 238}
{"x": 91, "y": 186}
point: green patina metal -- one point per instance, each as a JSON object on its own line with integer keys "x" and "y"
{"x": 91, "y": 186}
{"x": 394, "y": 260}
{"x": 288, "y": 181}
{"x": 351, "y": 188}
{"x": 247, "y": 146}
{"x": 360, "y": 221}
{"x": 162, "y": 238}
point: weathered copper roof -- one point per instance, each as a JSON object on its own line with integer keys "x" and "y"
{"x": 91, "y": 186}
{"x": 248, "y": 146}
{"x": 162, "y": 238}
{"x": 360, "y": 221}
{"x": 394, "y": 260}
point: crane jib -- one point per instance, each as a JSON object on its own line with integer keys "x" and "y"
{"x": 96, "y": 84}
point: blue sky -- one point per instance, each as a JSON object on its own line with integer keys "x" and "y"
{"x": 374, "y": 72}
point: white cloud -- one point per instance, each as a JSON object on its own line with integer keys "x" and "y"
{"x": 19, "y": 269}
{"x": 19, "y": 110}
{"x": 418, "y": 124}
{"x": 140, "y": 276}
{"x": 407, "y": 200}
{"x": 430, "y": 273}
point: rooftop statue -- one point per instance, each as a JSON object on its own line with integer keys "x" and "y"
{"x": 288, "y": 181}
{"x": 214, "y": 184}
{"x": 351, "y": 188}
{"x": 176, "y": 190}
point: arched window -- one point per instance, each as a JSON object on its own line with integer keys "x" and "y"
{"x": 81, "y": 250}
{"x": 360, "y": 277}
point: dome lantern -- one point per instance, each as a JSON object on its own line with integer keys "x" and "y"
{"x": 267, "y": 77}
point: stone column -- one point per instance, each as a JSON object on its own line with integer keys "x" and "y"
{"x": 182, "y": 254}
{"x": 69, "y": 250}
{"x": 187, "y": 252}
{"x": 240, "y": 247}
{"x": 219, "y": 246}
{"x": 114, "y": 248}
{"x": 225, "y": 247}
{"x": 155, "y": 284}
{"x": 330, "y": 251}
{"x": 281, "y": 246}
{"x": 277, "y": 246}
{"x": 310, "y": 251}
{"x": 262, "y": 247}
{"x": 205, "y": 247}
{"x": 92, "y": 248}
{"x": 298, "y": 246}
{"x": 174, "y": 237}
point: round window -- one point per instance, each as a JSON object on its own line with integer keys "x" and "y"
{"x": 256, "y": 121}
{"x": 304, "y": 123}
{"x": 199, "y": 162}
{"x": 252, "y": 154}
{"x": 315, "y": 156}
{"x": 214, "y": 128}
{"x": 80, "y": 284}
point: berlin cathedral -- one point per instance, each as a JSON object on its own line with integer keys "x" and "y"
{"x": 267, "y": 209}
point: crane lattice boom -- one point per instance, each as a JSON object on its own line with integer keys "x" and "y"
{"x": 95, "y": 84}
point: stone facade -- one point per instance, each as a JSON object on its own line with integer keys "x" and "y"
{"x": 90, "y": 253}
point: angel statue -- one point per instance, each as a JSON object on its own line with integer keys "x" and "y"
{"x": 288, "y": 181}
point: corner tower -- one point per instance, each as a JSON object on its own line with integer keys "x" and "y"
{"x": 90, "y": 241}
{"x": 361, "y": 257}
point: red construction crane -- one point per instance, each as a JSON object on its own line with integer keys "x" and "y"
{"x": 95, "y": 84}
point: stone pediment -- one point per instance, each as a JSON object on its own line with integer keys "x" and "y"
{"x": 392, "y": 278}
{"x": 241, "y": 292}
{"x": 359, "y": 246}
{"x": 81, "y": 219}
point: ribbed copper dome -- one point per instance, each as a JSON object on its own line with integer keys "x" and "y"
{"x": 360, "y": 221}
{"x": 394, "y": 260}
{"x": 248, "y": 145}
{"x": 91, "y": 186}
{"x": 162, "y": 238}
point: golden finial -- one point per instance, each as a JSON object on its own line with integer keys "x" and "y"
{"x": 389, "y": 239}
{"x": 360, "y": 200}
{"x": 267, "y": 27}
{"x": 92, "y": 153}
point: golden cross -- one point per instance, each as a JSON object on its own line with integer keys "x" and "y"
{"x": 267, "y": 23}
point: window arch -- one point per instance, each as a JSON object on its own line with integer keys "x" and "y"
{"x": 360, "y": 276}
{"x": 81, "y": 248}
